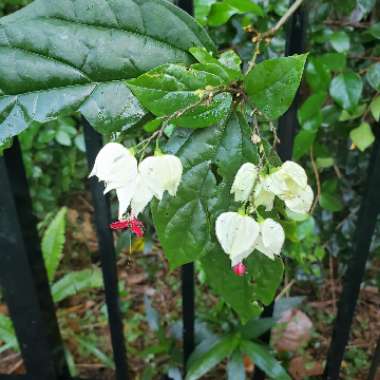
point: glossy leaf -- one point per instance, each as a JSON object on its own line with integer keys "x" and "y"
{"x": 257, "y": 327}
{"x": 221, "y": 12}
{"x": 273, "y": 84}
{"x": 303, "y": 142}
{"x": 346, "y": 89}
{"x": 210, "y": 158}
{"x": 340, "y": 41}
{"x": 262, "y": 357}
{"x": 373, "y": 76}
{"x": 177, "y": 90}
{"x": 210, "y": 353}
{"x": 60, "y": 56}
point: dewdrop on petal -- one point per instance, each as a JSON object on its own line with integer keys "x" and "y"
{"x": 116, "y": 166}
{"x": 271, "y": 238}
{"x": 244, "y": 181}
{"x": 161, "y": 173}
{"x": 237, "y": 234}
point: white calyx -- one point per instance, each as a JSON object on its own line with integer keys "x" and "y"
{"x": 244, "y": 182}
{"x": 289, "y": 183}
{"x": 136, "y": 185}
{"x": 115, "y": 165}
{"x": 271, "y": 238}
{"x": 237, "y": 234}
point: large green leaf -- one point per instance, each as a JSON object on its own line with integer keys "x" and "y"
{"x": 53, "y": 242}
{"x": 209, "y": 353}
{"x": 171, "y": 89}
{"x": 60, "y": 56}
{"x": 272, "y": 84}
{"x": 261, "y": 356}
{"x": 211, "y": 158}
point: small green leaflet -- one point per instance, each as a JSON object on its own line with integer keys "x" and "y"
{"x": 183, "y": 95}
{"x": 375, "y": 108}
{"x": 362, "y": 136}
{"x": 273, "y": 84}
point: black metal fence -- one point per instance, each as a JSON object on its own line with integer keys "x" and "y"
{"x": 24, "y": 281}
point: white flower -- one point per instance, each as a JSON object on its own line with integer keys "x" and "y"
{"x": 161, "y": 173}
{"x": 301, "y": 202}
{"x": 244, "y": 181}
{"x": 289, "y": 183}
{"x": 115, "y": 165}
{"x": 136, "y": 185}
{"x": 237, "y": 234}
{"x": 263, "y": 197}
{"x": 271, "y": 238}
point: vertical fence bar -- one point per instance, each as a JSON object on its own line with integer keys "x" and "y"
{"x": 369, "y": 211}
{"x": 23, "y": 275}
{"x": 288, "y": 124}
{"x": 108, "y": 256}
{"x": 373, "y": 372}
{"x": 187, "y": 271}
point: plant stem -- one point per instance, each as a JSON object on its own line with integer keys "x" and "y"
{"x": 283, "y": 19}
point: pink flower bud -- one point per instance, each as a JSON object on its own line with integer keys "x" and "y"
{"x": 240, "y": 269}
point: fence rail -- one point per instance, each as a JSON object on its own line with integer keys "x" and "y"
{"x": 24, "y": 281}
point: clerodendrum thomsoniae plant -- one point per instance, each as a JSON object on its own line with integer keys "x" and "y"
{"x": 217, "y": 191}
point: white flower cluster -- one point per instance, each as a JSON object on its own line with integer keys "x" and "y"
{"x": 240, "y": 234}
{"x": 136, "y": 184}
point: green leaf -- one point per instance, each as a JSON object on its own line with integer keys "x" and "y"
{"x": 183, "y": 92}
{"x": 221, "y": 12}
{"x": 346, "y": 89}
{"x": 375, "y": 108}
{"x": 374, "y": 30}
{"x": 330, "y": 202}
{"x": 92, "y": 47}
{"x": 91, "y": 347}
{"x": 8, "y": 334}
{"x": 373, "y": 76}
{"x": 257, "y": 327}
{"x": 228, "y": 63}
{"x": 53, "y": 242}
{"x": 340, "y": 41}
{"x": 362, "y": 136}
{"x": 273, "y": 84}
{"x": 262, "y": 357}
{"x": 202, "y": 9}
{"x": 211, "y": 158}
{"x": 353, "y": 114}
{"x": 210, "y": 353}
{"x": 235, "y": 367}
{"x": 334, "y": 61}
{"x": 310, "y": 115}
{"x": 318, "y": 75}
{"x": 75, "y": 282}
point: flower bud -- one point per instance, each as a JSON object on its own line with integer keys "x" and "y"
{"x": 240, "y": 269}
{"x": 244, "y": 181}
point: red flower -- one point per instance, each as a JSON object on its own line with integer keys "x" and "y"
{"x": 135, "y": 225}
{"x": 240, "y": 269}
